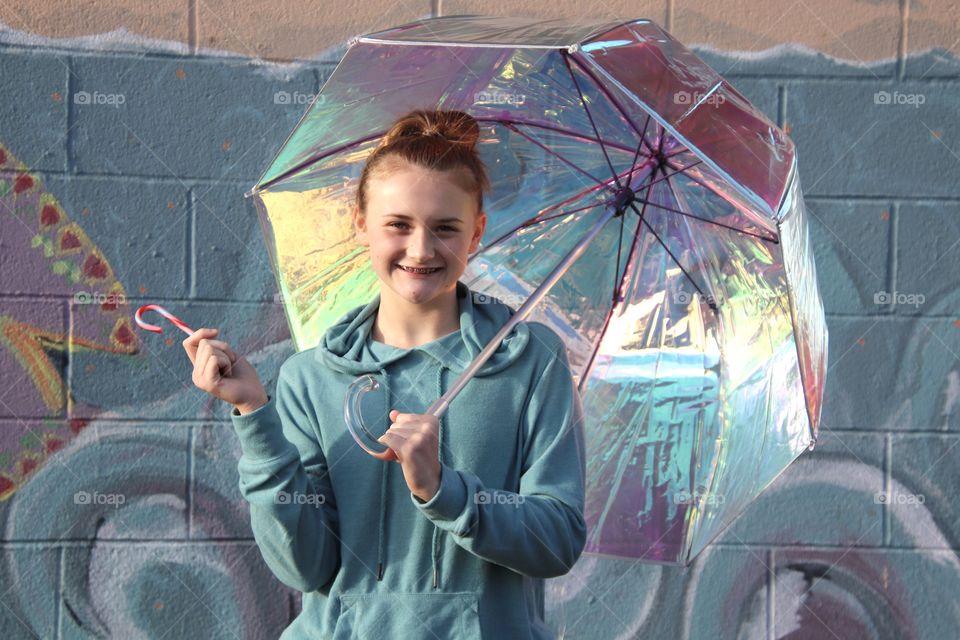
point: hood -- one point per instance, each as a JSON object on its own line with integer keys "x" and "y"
{"x": 342, "y": 345}
{"x": 481, "y": 317}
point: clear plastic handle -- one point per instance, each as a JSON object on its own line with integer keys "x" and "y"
{"x": 354, "y": 417}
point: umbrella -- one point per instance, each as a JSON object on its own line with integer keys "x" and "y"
{"x": 641, "y": 207}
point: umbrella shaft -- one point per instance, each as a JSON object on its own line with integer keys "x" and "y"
{"x": 439, "y": 406}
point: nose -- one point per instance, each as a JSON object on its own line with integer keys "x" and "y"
{"x": 420, "y": 247}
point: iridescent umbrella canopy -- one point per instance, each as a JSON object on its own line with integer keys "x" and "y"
{"x": 692, "y": 319}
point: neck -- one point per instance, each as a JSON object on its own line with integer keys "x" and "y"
{"x": 400, "y": 323}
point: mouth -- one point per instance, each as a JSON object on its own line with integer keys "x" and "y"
{"x": 419, "y": 270}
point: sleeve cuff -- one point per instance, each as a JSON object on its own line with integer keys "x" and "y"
{"x": 450, "y": 499}
{"x": 260, "y": 432}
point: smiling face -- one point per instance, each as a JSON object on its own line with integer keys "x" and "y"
{"x": 420, "y": 227}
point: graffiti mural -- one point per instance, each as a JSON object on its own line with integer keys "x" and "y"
{"x": 48, "y": 251}
{"x": 119, "y": 505}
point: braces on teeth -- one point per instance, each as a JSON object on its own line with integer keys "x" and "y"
{"x": 415, "y": 270}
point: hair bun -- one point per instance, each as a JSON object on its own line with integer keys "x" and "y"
{"x": 441, "y": 140}
{"x": 454, "y": 126}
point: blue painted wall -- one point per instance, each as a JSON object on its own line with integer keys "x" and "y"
{"x": 120, "y": 511}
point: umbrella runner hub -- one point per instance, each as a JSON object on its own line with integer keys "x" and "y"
{"x": 623, "y": 199}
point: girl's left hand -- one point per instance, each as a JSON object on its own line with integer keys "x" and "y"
{"x": 413, "y": 442}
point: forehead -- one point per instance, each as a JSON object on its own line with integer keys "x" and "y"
{"x": 415, "y": 191}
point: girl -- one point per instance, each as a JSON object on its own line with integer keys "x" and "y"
{"x": 456, "y": 539}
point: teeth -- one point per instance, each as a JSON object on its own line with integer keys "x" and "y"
{"x": 415, "y": 270}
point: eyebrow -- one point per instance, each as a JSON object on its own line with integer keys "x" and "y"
{"x": 406, "y": 217}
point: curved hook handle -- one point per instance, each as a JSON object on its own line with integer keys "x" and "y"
{"x": 353, "y": 417}
{"x": 166, "y": 314}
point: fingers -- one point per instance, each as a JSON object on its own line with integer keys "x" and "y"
{"x": 224, "y": 365}
{"x": 402, "y": 432}
{"x": 209, "y": 373}
{"x": 397, "y": 417}
{"x": 191, "y": 342}
{"x": 205, "y": 352}
{"x": 387, "y": 455}
{"x": 220, "y": 345}
{"x": 201, "y": 345}
{"x": 397, "y": 446}
{"x": 209, "y": 369}
{"x": 405, "y": 439}
{"x": 408, "y": 433}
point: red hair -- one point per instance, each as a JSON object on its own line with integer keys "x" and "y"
{"x": 442, "y": 140}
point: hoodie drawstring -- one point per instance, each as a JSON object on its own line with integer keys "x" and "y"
{"x": 383, "y": 489}
{"x": 434, "y": 546}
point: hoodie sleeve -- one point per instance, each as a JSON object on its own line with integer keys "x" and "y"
{"x": 540, "y": 531}
{"x": 283, "y": 476}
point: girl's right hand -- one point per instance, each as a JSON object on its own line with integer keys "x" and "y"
{"x": 221, "y": 373}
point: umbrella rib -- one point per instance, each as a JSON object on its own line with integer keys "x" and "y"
{"x": 577, "y": 196}
{"x": 710, "y": 302}
{"x": 618, "y": 288}
{"x": 540, "y": 125}
{"x": 616, "y": 273}
{"x": 540, "y": 217}
{"x": 563, "y": 159}
{"x": 359, "y": 141}
{"x": 584, "y": 193}
{"x": 313, "y": 159}
{"x": 636, "y": 154}
{"x": 643, "y": 138}
{"x": 573, "y": 198}
{"x": 529, "y": 223}
{"x": 675, "y": 172}
{"x": 536, "y": 220}
{"x": 682, "y": 149}
{"x": 583, "y": 102}
{"x": 700, "y": 182}
{"x": 719, "y": 224}
{"x": 303, "y": 164}
{"x": 616, "y": 103}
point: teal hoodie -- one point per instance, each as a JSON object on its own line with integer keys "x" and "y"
{"x": 372, "y": 559}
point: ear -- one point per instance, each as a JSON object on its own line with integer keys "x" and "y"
{"x": 360, "y": 226}
{"x": 478, "y": 228}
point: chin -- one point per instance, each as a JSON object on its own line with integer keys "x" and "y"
{"x": 418, "y": 292}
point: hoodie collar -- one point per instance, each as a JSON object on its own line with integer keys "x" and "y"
{"x": 481, "y": 317}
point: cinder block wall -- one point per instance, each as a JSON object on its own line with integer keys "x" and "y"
{"x": 129, "y": 133}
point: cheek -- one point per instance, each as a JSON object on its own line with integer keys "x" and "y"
{"x": 383, "y": 246}
{"x": 460, "y": 245}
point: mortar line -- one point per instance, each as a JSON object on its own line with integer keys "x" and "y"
{"x": 903, "y": 39}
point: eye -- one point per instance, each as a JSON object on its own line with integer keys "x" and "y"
{"x": 403, "y": 225}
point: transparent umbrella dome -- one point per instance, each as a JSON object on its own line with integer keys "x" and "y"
{"x": 693, "y": 323}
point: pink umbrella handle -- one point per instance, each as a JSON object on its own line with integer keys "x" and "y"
{"x": 166, "y": 314}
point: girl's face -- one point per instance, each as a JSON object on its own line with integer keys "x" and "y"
{"x": 419, "y": 219}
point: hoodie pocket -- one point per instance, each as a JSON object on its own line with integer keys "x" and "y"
{"x": 409, "y": 615}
